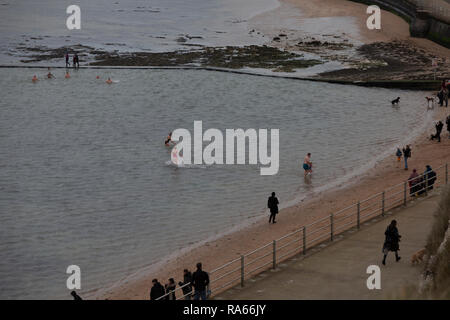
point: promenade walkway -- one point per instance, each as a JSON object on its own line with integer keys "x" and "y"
{"x": 337, "y": 270}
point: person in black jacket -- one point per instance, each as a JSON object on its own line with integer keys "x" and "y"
{"x": 406, "y": 155}
{"x": 391, "y": 241}
{"x": 157, "y": 290}
{"x": 439, "y": 126}
{"x": 75, "y": 295}
{"x": 272, "y": 204}
{"x": 170, "y": 289}
{"x": 187, "y": 289}
{"x": 200, "y": 280}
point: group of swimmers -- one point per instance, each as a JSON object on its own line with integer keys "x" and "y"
{"x": 67, "y": 76}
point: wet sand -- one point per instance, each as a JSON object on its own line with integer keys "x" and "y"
{"x": 216, "y": 253}
{"x": 336, "y": 31}
{"x": 386, "y": 173}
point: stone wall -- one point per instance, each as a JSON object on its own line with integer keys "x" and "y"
{"x": 421, "y": 24}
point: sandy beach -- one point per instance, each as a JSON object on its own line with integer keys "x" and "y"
{"x": 386, "y": 173}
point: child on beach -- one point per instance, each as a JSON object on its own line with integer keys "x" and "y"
{"x": 399, "y": 154}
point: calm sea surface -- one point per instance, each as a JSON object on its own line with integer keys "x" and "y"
{"x": 84, "y": 179}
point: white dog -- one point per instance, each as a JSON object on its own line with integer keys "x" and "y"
{"x": 430, "y": 101}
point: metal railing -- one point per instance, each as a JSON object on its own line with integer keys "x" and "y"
{"x": 322, "y": 230}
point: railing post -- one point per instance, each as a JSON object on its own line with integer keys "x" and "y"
{"x": 358, "y": 214}
{"x": 446, "y": 173}
{"x": 242, "y": 271}
{"x": 274, "y": 254}
{"x": 331, "y": 227}
{"x": 426, "y": 183}
{"x": 382, "y": 203}
{"x": 405, "y": 186}
{"x": 304, "y": 240}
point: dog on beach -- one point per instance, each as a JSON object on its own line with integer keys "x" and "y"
{"x": 418, "y": 256}
{"x": 430, "y": 99}
{"x": 395, "y": 101}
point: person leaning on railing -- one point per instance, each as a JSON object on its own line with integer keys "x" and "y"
{"x": 157, "y": 290}
{"x": 186, "y": 284}
{"x": 429, "y": 177}
{"x": 200, "y": 281}
{"x": 170, "y": 290}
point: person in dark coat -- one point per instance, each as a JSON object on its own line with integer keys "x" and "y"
{"x": 170, "y": 289}
{"x": 439, "y": 126}
{"x": 272, "y": 204}
{"x": 391, "y": 241}
{"x": 157, "y": 290}
{"x": 429, "y": 178}
{"x": 406, "y": 155}
{"x": 200, "y": 280}
{"x": 187, "y": 289}
{"x": 75, "y": 296}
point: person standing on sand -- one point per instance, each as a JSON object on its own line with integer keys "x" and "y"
{"x": 186, "y": 284}
{"x": 439, "y": 125}
{"x": 406, "y": 155}
{"x": 170, "y": 289}
{"x": 200, "y": 280}
{"x": 391, "y": 241}
{"x": 157, "y": 290}
{"x": 307, "y": 164}
{"x": 272, "y": 204}
{"x": 399, "y": 154}
{"x": 67, "y": 60}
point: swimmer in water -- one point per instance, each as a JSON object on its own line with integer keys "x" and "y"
{"x": 49, "y": 74}
{"x": 168, "y": 139}
{"x": 307, "y": 164}
{"x": 109, "y": 81}
{"x": 67, "y": 75}
{"x": 34, "y": 78}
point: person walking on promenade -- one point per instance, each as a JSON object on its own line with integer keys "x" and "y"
{"x": 200, "y": 280}
{"x": 186, "y": 284}
{"x": 406, "y": 155}
{"x": 170, "y": 290}
{"x": 391, "y": 241}
{"x": 272, "y": 204}
{"x": 157, "y": 290}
